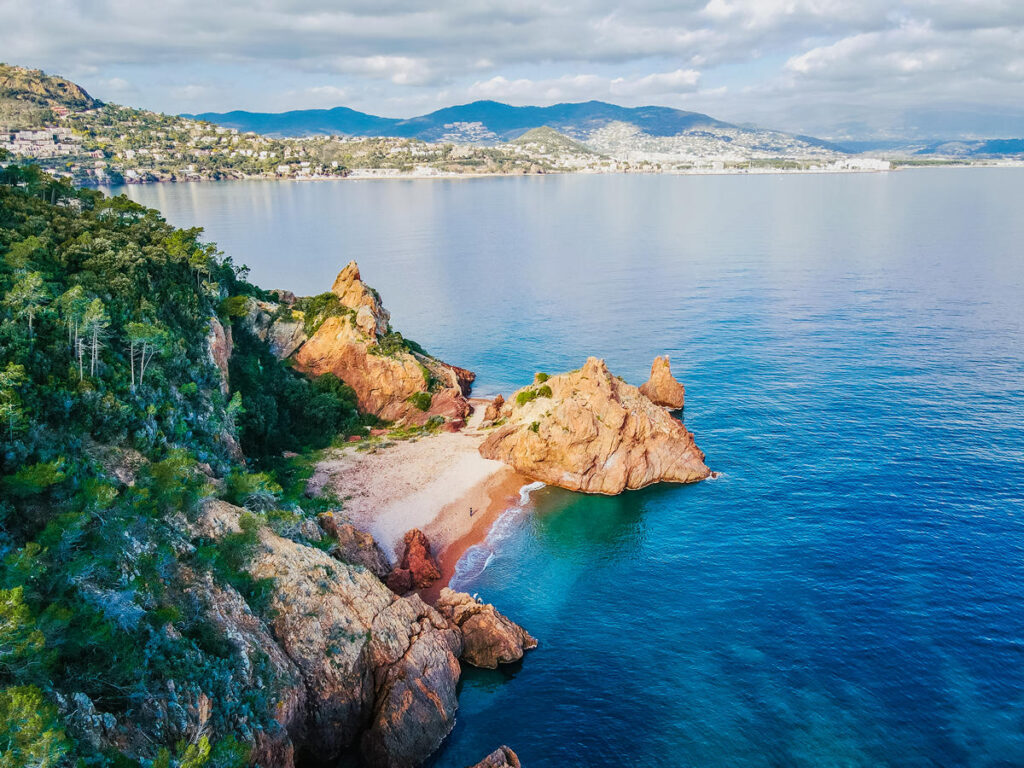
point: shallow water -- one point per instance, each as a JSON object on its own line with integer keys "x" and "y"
{"x": 851, "y": 590}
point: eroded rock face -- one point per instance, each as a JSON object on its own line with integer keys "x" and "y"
{"x": 502, "y": 757}
{"x": 590, "y": 431}
{"x": 280, "y": 327}
{"x": 417, "y": 568}
{"x": 489, "y": 639}
{"x": 393, "y": 383}
{"x": 355, "y": 546}
{"x": 662, "y": 388}
{"x": 374, "y": 666}
{"x": 414, "y": 652}
{"x": 219, "y": 345}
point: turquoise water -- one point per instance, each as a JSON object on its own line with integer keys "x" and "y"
{"x": 851, "y": 590}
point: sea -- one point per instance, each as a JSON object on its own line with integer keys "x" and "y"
{"x": 850, "y": 590}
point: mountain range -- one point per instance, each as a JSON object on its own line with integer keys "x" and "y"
{"x": 489, "y": 122}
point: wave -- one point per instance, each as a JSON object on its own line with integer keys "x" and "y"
{"x": 475, "y": 560}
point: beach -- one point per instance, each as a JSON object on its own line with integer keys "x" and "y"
{"x": 431, "y": 482}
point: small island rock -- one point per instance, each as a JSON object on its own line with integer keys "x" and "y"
{"x": 502, "y": 757}
{"x": 590, "y": 431}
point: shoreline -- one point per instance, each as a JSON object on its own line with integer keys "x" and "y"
{"x": 359, "y": 176}
{"x": 430, "y": 482}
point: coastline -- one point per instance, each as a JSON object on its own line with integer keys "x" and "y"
{"x": 390, "y": 486}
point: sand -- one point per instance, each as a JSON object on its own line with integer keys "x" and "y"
{"x": 429, "y": 482}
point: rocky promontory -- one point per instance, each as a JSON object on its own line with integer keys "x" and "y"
{"x": 590, "y": 431}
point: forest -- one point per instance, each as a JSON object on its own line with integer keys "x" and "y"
{"x": 116, "y": 424}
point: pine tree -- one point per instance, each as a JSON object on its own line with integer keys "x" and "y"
{"x": 26, "y": 297}
{"x": 95, "y": 322}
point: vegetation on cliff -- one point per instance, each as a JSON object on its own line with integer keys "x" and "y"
{"x": 114, "y": 426}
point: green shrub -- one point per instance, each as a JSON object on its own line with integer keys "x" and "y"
{"x": 421, "y": 400}
{"x": 30, "y": 734}
{"x": 544, "y": 391}
{"x": 526, "y": 396}
{"x": 541, "y": 377}
{"x": 234, "y": 307}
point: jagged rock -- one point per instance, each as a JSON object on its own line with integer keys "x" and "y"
{"x": 375, "y": 666}
{"x": 355, "y": 294}
{"x": 284, "y": 297}
{"x": 389, "y": 382}
{"x": 219, "y": 344}
{"x": 355, "y": 546}
{"x": 502, "y": 757}
{"x": 489, "y": 639}
{"x": 662, "y": 388}
{"x": 494, "y": 409}
{"x": 279, "y": 326}
{"x": 590, "y": 431}
{"x": 414, "y": 652}
{"x": 417, "y": 568}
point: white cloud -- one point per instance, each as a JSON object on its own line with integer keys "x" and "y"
{"x": 778, "y": 61}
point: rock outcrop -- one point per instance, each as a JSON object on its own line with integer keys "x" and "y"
{"x": 390, "y": 379}
{"x": 662, "y": 388}
{"x": 374, "y": 667}
{"x": 502, "y": 757}
{"x": 590, "y": 431}
{"x": 493, "y": 412}
{"x": 277, "y": 324}
{"x": 489, "y": 639}
{"x": 417, "y": 568}
{"x": 354, "y": 546}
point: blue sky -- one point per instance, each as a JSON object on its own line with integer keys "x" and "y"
{"x": 828, "y": 67}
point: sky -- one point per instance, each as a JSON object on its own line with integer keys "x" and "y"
{"x": 831, "y": 68}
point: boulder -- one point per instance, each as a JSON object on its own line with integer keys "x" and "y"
{"x": 417, "y": 568}
{"x": 590, "y": 431}
{"x": 355, "y": 546}
{"x": 493, "y": 412}
{"x": 390, "y": 379}
{"x": 502, "y": 757}
{"x": 662, "y": 388}
{"x": 489, "y": 639}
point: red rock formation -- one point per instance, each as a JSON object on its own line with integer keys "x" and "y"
{"x": 590, "y": 431}
{"x": 489, "y": 639}
{"x": 388, "y": 382}
{"x": 493, "y": 411}
{"x": 662, "y": 388}
{"x": 417, "y": 568}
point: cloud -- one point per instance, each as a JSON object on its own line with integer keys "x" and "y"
{"x": 777, "y": 61}
{"x": 582, "y": 87}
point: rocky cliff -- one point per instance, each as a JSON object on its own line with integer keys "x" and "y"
{"x": 390, "y": 377}
{"x": 352, "y": 662}
{"x": 590, "y": 431}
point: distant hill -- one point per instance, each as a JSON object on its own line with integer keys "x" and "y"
{"x": 480, "y": 121}
{"x": 550, "y": 140}
{"x": 37, "y": 87}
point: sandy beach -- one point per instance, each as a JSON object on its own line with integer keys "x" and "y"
{"x": 428, "y": 482}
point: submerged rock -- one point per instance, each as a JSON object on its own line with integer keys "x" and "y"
{"x": 590, "y": 431}
{"x": 489, "y": 639}
{"x": 502, "y": 757}
{"x": 417, "y": 568}
{"x": 390, "y": 379}
{"x": 662, "y": 388}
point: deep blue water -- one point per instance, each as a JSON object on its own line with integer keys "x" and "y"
{"x": 850, "y": 592}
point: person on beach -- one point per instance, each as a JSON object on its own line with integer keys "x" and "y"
{"x": 470, "y": 511}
